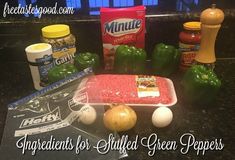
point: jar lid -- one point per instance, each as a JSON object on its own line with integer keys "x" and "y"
{"x": 38, "y": 50}
{"x": 55, "y": 31}
{"x": 194, "y": 26}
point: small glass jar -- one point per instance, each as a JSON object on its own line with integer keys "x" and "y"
{"x": 62, "y": 42}
{"x": 189, "y": 43}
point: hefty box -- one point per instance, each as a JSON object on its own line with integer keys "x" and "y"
{"x": 121, "y": 26}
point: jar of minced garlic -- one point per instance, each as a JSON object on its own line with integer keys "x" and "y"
{"x": 62, "y": 42}
{"x": 189, "y": 43}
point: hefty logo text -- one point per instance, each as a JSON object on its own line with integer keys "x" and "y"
{"x": 122, "y": 26}
{"x": 42, "y": 119}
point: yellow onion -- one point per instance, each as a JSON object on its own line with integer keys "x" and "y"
{"x": 120, "y": 118}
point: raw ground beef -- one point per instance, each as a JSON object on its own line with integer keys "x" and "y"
{"x": 122, "y": 89}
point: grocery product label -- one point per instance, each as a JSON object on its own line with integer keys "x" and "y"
{"x": 55, "y": 113}
{"x": 147, "y": 86}
{"x": 188, "y": 53}
{"x": 42, "y": 119}
{"x": 50, "y": 127}
{"x": 121, "y": 26}
{"x": 44, "y": 64}
{"x": 64, "y": 49}
{"x": 64, "y": 55}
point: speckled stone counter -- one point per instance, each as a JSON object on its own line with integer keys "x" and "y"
{"x": 204, "y": 122}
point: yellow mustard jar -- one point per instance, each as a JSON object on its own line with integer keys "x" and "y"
{"x": 62, "y": 42}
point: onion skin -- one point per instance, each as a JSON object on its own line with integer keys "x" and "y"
{"x": 120, "y": 118}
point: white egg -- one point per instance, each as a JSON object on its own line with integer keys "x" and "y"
{"x": 87, "y": 114}
{"x": 162, "y": 117}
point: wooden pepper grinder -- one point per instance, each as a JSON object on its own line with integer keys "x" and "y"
{"x": 211, "y": 20}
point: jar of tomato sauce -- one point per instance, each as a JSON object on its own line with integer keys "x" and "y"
{"x": 189, "y": 43}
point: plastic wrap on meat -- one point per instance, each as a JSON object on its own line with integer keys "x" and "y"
{"x": 109, "y": 88}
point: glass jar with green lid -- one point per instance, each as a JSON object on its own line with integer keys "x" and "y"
{"x": 62, "y": 42}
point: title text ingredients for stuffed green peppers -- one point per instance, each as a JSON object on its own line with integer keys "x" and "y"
{"x": 129, "y": 59}
{"x": 200, "y": 84}
{"x": 165, "y": 59}
{"x": 60, "y": 72}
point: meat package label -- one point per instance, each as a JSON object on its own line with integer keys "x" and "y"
{"x": 147, "y": 86}
{"x": 121, "y": 26}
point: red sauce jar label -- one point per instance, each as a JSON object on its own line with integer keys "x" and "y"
{"x": 189, "y": 52}
{"x": 189, "y": 43}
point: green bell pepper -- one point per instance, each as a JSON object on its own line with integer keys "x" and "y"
{"x": 60, "y": 72}
{"x": 200, "y": 85}
{"x": 87, "y": 59}
{"x": 165, "y": 59}
{"x": 129, "y": 60}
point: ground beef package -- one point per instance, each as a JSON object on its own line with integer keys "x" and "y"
{"x": 133, "y": 90}
{"x": 121, "y": 26}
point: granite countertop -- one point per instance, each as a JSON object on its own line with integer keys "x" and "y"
{"x": 204, "y": 122}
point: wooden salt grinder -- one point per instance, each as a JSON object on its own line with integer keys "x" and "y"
{"x": 211, "y": 20}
